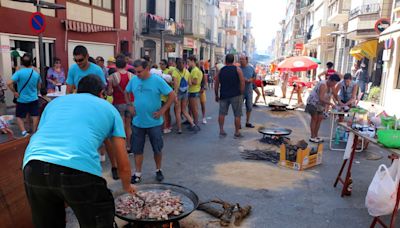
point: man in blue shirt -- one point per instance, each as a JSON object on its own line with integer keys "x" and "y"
{"x": 249, "y": 76}
{"x": 28, "y": 84}
{"x": 147, "y": 114}
{"x": 61, "y": 163}
{"x": 81, "y": 69}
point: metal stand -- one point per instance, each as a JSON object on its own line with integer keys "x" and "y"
{"x": 346, "y": 181}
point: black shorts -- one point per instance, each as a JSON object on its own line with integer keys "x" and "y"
{"x": 24, "y": 108}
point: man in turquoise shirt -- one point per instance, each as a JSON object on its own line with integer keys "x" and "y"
{"x": 28, "y": 84}
{"x": 62, "y": 163}
{"x": 147, "y": 114}
{"x": 82, "y": 68}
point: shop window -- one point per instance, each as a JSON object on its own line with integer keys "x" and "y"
{"x": 172, "y": 9}
{"x": 123, "y": 7}
{"x": 151, "y": 6}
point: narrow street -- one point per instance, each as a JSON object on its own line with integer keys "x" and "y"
{"x": 213, "y": 168}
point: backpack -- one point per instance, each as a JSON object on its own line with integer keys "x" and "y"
{"x": 183, "y": 85}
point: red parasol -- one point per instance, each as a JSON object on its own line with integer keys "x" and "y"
{"x": 297, "y": 63}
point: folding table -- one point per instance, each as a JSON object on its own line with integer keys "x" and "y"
{"x": 346, "y": 181}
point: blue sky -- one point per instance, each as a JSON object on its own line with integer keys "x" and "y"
{"x": 266, "y": 15}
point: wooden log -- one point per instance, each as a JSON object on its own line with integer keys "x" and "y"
{"x": 210, "y": 210}
{"x": 241, "y": 214}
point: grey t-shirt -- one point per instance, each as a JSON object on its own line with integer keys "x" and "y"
{"x": 248, "y": 72}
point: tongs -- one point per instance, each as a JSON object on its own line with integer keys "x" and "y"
{"x": 141, "y": 198}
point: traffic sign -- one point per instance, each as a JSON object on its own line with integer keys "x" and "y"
{"x": 37, "y": 22}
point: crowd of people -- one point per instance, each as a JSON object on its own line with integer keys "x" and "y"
{"x": 118, "y": 106}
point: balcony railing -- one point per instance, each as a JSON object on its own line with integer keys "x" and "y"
{"x": 365, "y": 9}
{"x": 153, "y": 24}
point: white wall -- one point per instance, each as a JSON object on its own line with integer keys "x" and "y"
{"x": 390, "y": 95}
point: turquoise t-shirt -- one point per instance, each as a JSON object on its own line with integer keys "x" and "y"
{"x": 72, "y": 129}
{"x": 75, "y": 74}
{"x": 147, "y": 99}
{"x": 30, "y": 92}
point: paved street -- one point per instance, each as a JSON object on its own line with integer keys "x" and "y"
{"x": 213, "y": 168}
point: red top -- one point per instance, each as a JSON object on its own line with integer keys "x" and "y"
{"x": 118, "y": 94}
{"x": 329, "y": 73}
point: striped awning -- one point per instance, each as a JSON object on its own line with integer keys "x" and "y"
{"x": 78, "y": 26}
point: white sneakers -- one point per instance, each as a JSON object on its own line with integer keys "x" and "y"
{"x": 204, "y": 121}
{"x": 167, "y": 131}
{"x": 316, "y": 140}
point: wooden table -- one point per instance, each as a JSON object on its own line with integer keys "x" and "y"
{"x": 347, "y": 180}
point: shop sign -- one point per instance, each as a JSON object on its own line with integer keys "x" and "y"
{"x": 381, "y": 25}
{"x": 389, "y": 43}
{"x": 170, "y": 47}
{"x": 4, "y": 48}
{"x": 386, "y": 55}
{"x": 188, "y": 43}
{"x": 299, "y": 46}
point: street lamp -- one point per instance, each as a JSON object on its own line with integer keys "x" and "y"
{"x": 39, "y": 5}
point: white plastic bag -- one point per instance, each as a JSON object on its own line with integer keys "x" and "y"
{"x": 382, "y": 192}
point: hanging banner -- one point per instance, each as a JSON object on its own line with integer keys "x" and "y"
{"x": 170, "y": 47}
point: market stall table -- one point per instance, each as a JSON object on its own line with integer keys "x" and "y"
{"x": 336, "y": 114}
{"x": 395, "y": 153}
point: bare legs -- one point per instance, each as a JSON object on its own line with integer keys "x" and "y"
{"x": 315, "y": 124}
{"x": 221, "y": 121}
{"x": 180, "y": 108}
{"x": 21, "y": 123}
{"x": 193, "y": 103}
{"x": 139, "y": 161}
{"x": 258, "y": 94}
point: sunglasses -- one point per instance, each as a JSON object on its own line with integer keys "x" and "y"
{"x": 79, "y": 60}
{"x": 100, "y": 60}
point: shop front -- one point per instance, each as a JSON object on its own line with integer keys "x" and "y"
{"x": 390, "y": 87}
{"x": 189, "y": 46}
{"x": 14, "y": 46}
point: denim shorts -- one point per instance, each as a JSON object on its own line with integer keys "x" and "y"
{"x": 248, "y": 99}
{"x": 139, "y": 138}
{"x": 182, "y": 95}
{"x": 123, "y": 110}
{"x": 314, "y": 109}
{"x": 236, "y": 103}
{"x": 194, "y": 95}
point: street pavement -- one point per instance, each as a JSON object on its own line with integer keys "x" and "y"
{"x": 213, "y": 168}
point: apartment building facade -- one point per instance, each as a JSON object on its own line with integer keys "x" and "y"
{"x": 105, "y": 27}
{"x": 159, "y": 29}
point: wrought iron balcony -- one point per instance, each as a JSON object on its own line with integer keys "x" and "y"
{"x": 154, "y": 25}
{"x": 365, "y": 9}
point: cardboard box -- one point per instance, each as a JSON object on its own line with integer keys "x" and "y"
{"x": 303, "y": 159}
